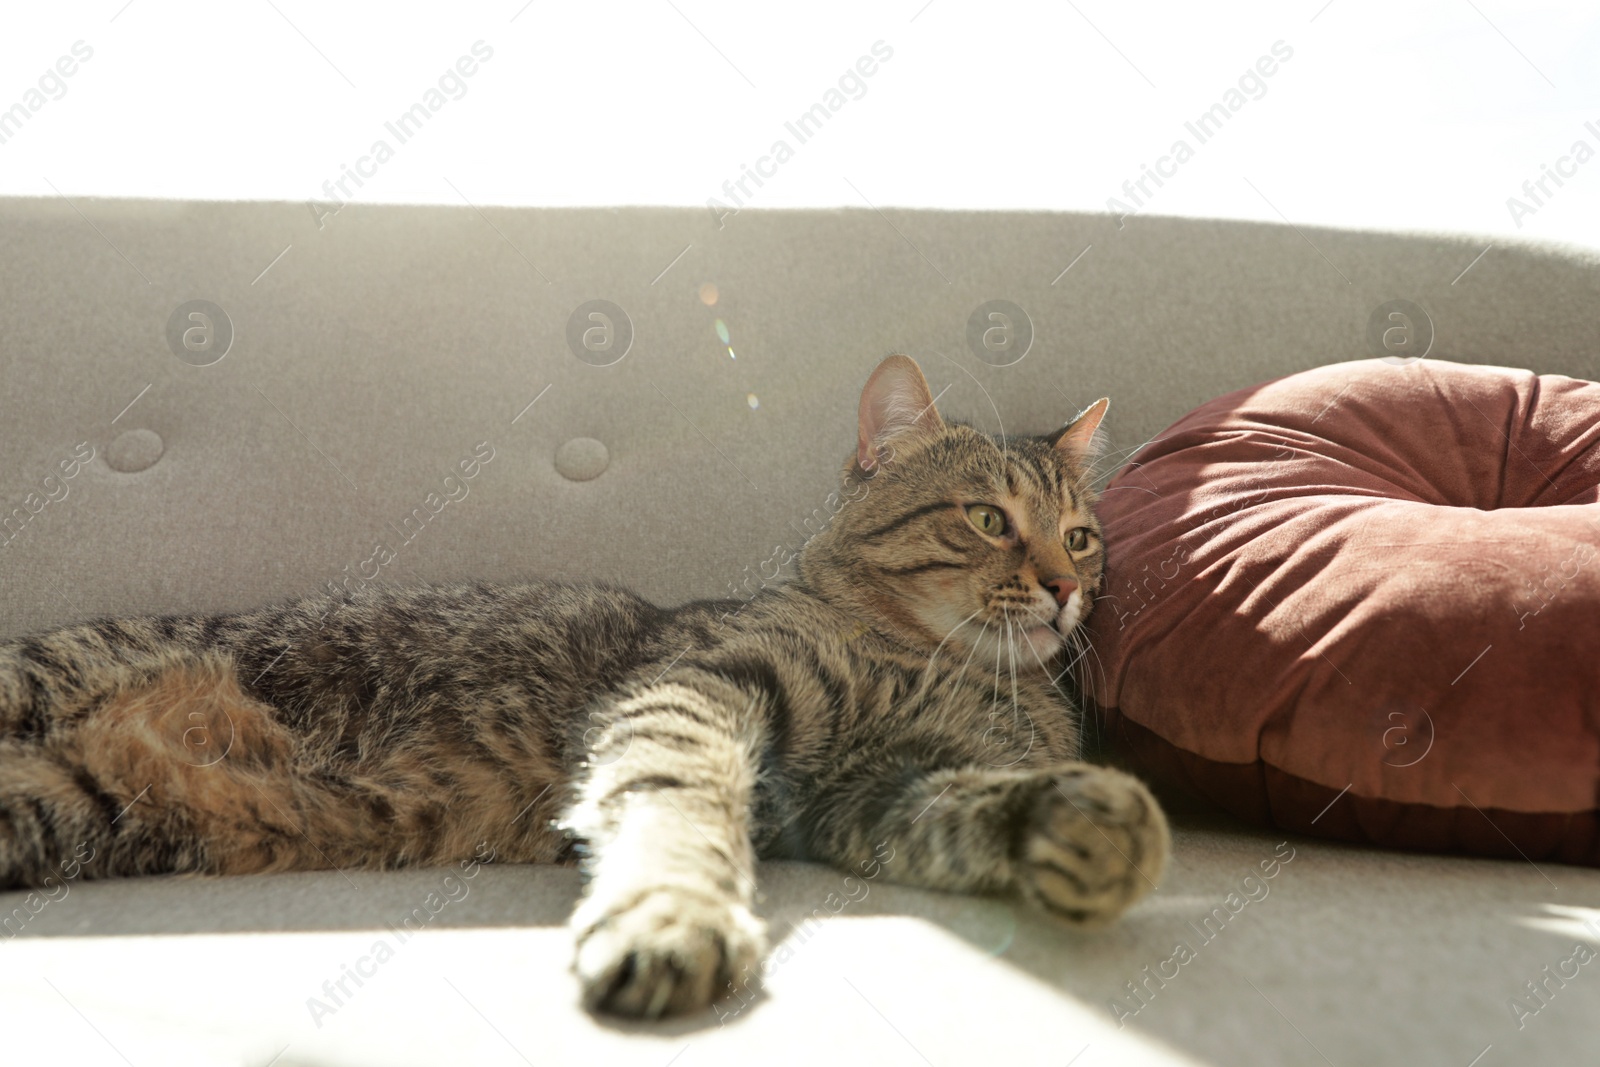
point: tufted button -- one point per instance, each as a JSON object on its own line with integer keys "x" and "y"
{"x": 135, "y": 450}
{"x": 582, "y": 458}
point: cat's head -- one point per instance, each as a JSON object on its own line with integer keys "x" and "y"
{"x": 949, "y": 536}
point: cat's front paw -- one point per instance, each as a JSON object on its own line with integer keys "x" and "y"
{"x": 666, "y": 951}
{"x": 1095, "y": 841}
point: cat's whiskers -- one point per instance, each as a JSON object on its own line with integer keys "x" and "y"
{"x": 974, "y": 651}
{"x": 1099, "y": 664}
{"x": 1002, "y": 642}
{"x": 1017, "y": 714}
{"x": 927, "y": 672}
{"x": 1038, "y": 660}
{"x": 1016, "y": 701}
{"x": 1088, "y": 645}
{"x": 1011, "y": 657}
{"x": 1122, "y": 456}
{"x": 1085, "y": 649}
{"x": 1082, "y": 680}
{"x": 1076, "y": 642}
{"x": 1093, "y": 471}
{"x": 999, "y": 649}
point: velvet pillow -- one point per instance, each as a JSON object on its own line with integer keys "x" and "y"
{"x": 1363, "y": 602}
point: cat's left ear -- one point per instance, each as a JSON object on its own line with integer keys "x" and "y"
{"x": 1080, "y": 438}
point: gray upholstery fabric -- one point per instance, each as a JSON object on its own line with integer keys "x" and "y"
{"x": 371, "y": 356}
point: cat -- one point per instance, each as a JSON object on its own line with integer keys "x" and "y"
{"x": 849, "y": 716}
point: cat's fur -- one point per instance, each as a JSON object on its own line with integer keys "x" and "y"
{"x": 893, "y": 706}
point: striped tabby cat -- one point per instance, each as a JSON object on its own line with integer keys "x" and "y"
{"x": 892, "y": 707}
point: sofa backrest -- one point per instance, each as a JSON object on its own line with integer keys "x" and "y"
{"x": 380, "y": 354}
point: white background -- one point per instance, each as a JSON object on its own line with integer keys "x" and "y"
{"x": 1389, "y": 115}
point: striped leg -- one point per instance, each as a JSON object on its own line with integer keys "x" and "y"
{"x": 666, "y": 922}
{"x": 54, "y": 823}
{"x": 1077, "y": 841}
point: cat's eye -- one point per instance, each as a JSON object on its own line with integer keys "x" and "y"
{"x": 1078, "y": 539}
{"x": 988, "y": 519}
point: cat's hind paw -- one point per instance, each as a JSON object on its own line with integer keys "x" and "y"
{"x": 666, "y": 951}
{"x": 1095, "y": 841}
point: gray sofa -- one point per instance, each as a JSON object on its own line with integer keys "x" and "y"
{"x": 343, "y": 365}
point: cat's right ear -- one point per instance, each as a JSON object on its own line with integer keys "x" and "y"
{"x": 896, "y": 400}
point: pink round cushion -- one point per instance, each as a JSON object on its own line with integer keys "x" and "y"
{"x": 1363, "y": 602}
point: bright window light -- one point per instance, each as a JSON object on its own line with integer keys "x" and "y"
{"x": 1432, "y": 116}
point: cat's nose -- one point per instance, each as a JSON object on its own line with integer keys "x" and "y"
{"x": 1060, "y": 587}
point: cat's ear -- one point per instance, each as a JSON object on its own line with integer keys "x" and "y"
{"x": 896, "y": 400}
{"x": 1081, "y": 438}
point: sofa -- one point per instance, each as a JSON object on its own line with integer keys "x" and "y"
{"x": 212, "y": 405}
